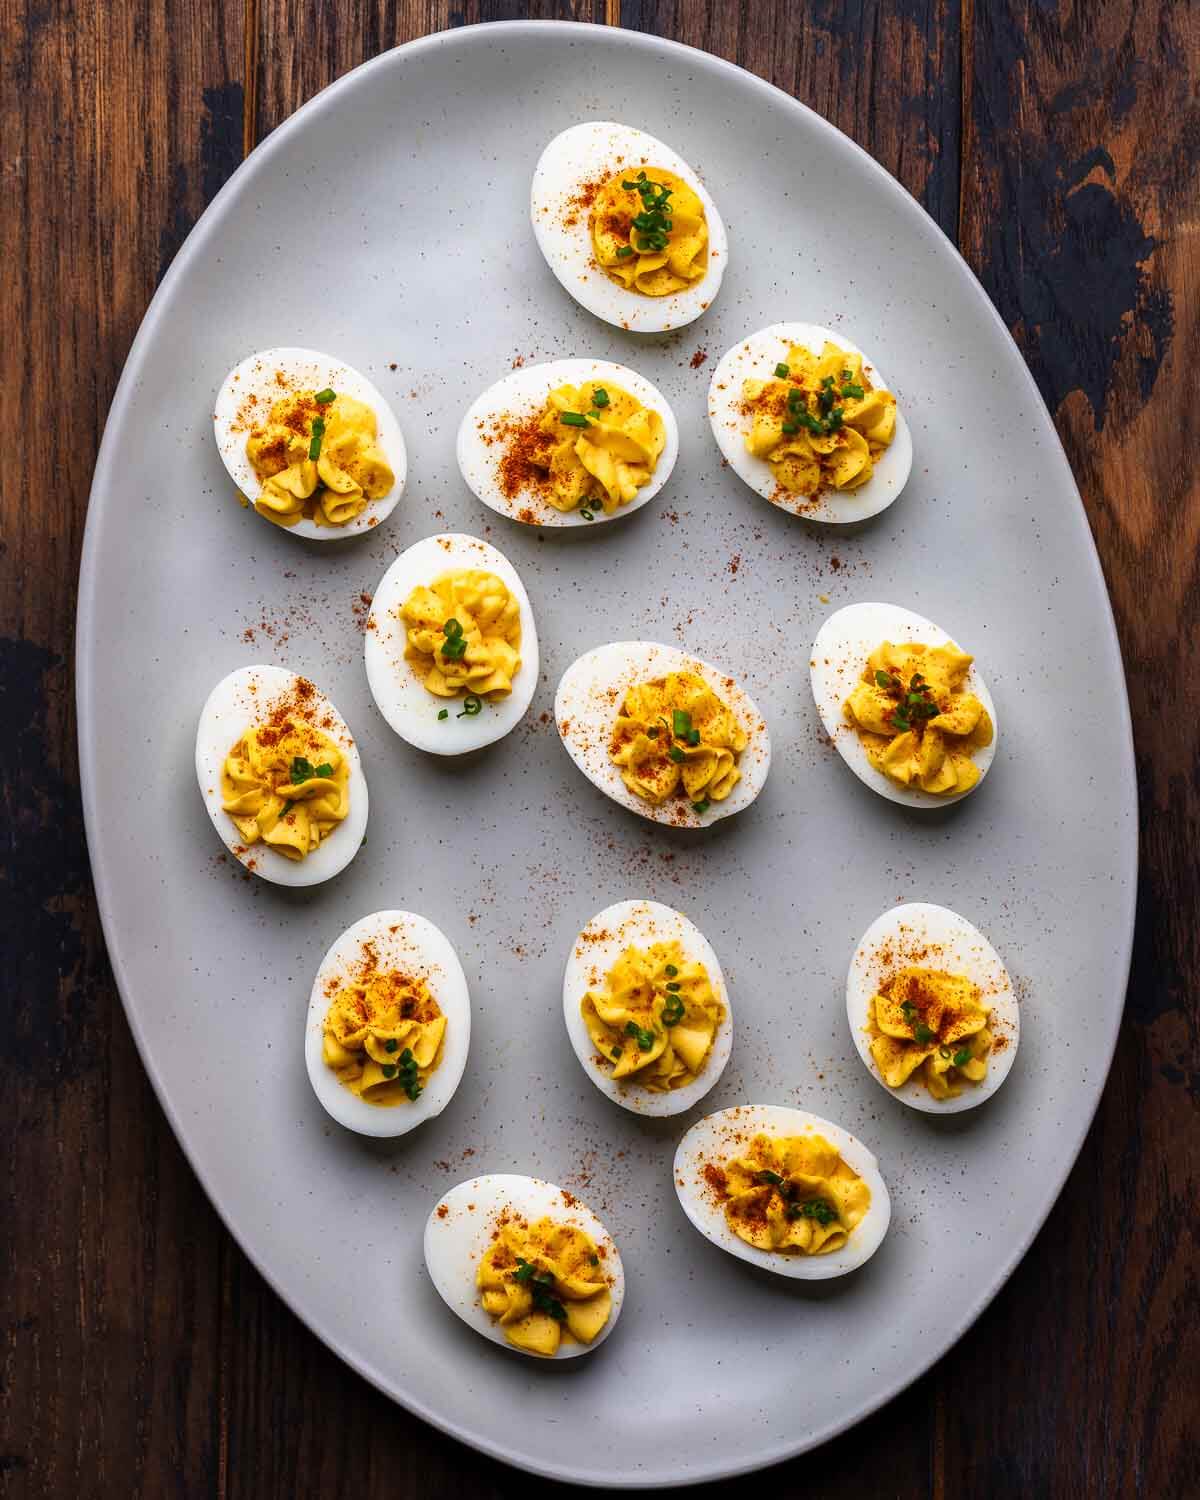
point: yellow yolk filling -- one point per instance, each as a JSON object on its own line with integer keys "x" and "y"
{"x": 463, "y": 634}
{"x": 621, "y": 248}
{"x": 922, "y": 738}
{"x": 674, "y": 734}
{"x": 656, "y": 1018}
{"x": 932, "y": 1026}
{"x": 823, "y": 426}
{"x": 795, "y": 1194}
{"x": 288, "y": 786}
{"x": 544, "y": 1283}
{"x": 383, "y": 1037}
{"x": 349, "y": 470}
{"x": 606, "y": 460}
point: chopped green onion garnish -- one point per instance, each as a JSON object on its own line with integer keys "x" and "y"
{"x": 443, "y": 713}
{"x": 318, "y": 432}
{"x": 389, "y": 1070}
{"x": 323, "y": 398}
{"x": 702, "y": 806}
{"x": 676, "y": 754}
{"x": 671, "y": 970}
{"x": 681, "y": 722}
{"x": 674, "y": 985}
{"x": 391, "y": 1044}
{"x": 693, "y": 737}
{"x": 586, "y": 515}
{"x": 962, "y": 1056}
{"x": 791, "y": 427}
{"x": 853, "y": 392}
{"x": 600, "y": 396}
{"x": 624, "y": 250}
{"x": 452, "y": 628}
{"x": 652, "y": 734}
{"x": 572, "y": 419}
{"x": 769, "y": 1177}
{"x": 472, "y": 705}
{"x": 782, "y": 372}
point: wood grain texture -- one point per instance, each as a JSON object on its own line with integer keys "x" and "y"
{"x": 141, "y": 1353}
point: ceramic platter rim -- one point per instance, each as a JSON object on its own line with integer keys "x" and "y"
{"x": 151, "y": 904}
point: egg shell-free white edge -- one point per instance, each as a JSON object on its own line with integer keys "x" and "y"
{"x": 640, "y": 924}
{"x": 755, "y": 358}
{"x": 590, "y": 693}
{"x": 231, "y": 709}
{"x": 400, "y": 695}
{"x": 595, "y": 151}
{"x": 962, "y": 949}
{"x": 409, "y": 944}
{"x": 455, "y": 1242}
{"x": 712, "y": 1140}
{"x": 304, "y": 369}
{"x": 516, "y": 398}
{"x": 839, "y": 655}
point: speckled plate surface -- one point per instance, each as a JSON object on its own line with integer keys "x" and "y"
{"x": 434, "y": 294}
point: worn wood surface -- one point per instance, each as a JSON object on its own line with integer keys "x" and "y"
{"x": 1059, "y": 144}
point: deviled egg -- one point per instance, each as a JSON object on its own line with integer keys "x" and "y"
{"x": 784, "y": 1190}
{"x": 281, "y": 776}
{"x": 310, "y": 442}
{"x": 805, "y": 419}
{"x": 664, "y": 734}
{"x": 574, "y": 442}
{"x": 647, "y": 1009}
{"x": 388, "y": 1024}
{"x": 931, "y": 1009}
{"x": 906, "y": 708}
{"x": 526, "y": 1264}
{"x": 627, "y": 227}
{"x": 451, "y": 648}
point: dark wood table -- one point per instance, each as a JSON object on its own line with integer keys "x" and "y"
{"x": 1058, "y": 144}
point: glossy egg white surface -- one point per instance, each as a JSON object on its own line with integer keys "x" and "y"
{"x": 639, "y": 924}
{"x": 717, "y": 1138}
{"x": 755, "y": 358}
{"x": 236, "y": 704}
{"x": 250, "y": 390}
{"x": 400, "y": 695}
{"x": 839, "y": 655}
{"x": 461, "y": 1228}
{"x": 589, "y": 695}
{"x": 593, "y": 152}
{"x": 920, "y": 934}
{"x": 406, "y": 943}
{"x": 516, "y": 398}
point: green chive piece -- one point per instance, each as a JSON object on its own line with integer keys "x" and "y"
{"x": 671, "y": 970}
{"x": 673, "y": 986}
{"x": 852, "y": 392}
{"x": 472, "y": 705}
{"x": 962, "y": 1057}
{"x": 790, "y": 427}
{"x": 616, "y": 1051}
{"x": 389, "y": 1070}
{"x": 600, "y": 396}
{"x": 587, "y": 515}
{"x": 702, "y": 806}
{"x": 391, "y": 1044}
{"x": 782, "y": 372}
{"x": 769, "y": 1177}
{"x": 693, "y": 737}
{"x": 652, "y": 734}
{"x": 676, "y": 754}
{"x": 681, "y": 722}
{"x": 572, "y": 419}
{"x": 624, "y": 250}
{"x": 452, "y": 627}
{"x": 323, "y": 398}
{"x": 443, "y": 713}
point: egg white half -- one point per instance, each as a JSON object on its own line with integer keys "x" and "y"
{"x": 518, "y": 397}
{"x": 755, "y": 358}
{"x": 839, "y": 654}
{"x": 585, "y": 709}
{"x": 593, "y": 152}
{"x": 639, "y": 924}
{"x": 236, "y": 704}
{"x": 904, "y": 937}
{"x": 459, "y": 1231}
{"x": 402, "y": 698}
{"x": 717, "y": 1138}
{"x": 409, "y": 944}
{"x": 250, "y": 390}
